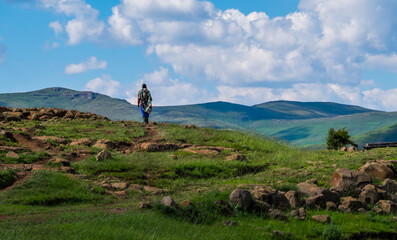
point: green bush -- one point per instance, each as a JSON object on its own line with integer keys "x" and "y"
{"x": 7, "y": 178}
{"x": 338, "y": 138}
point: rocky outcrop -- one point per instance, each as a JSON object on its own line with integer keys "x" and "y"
{"x": 378, "y": 169}
{"x": 371, "y": 194}
{"x": 387, "y": 206}
{"x": 347, "y": 181}
{"x": 271, "y": 196}
{"x": 241, "y": 197}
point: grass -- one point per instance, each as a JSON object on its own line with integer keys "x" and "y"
{"x": 49, "y": 189}
{"x": 7, "y": 178}
{"x": 26, "y": 158}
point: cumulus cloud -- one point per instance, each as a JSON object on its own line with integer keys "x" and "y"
{"x": 90, "y": 64}
{"x": 167, "y": 90}
{"x": 84, "y": 24}
{"x": 57, "y": 27}
{"x": 105, "y": 85}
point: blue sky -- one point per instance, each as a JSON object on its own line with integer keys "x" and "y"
{"x": 192, "y": 51}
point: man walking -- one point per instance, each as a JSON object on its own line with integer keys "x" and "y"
{"x": 145, "y": 101}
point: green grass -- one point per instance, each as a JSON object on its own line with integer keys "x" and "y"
{"x": 7, "y": 178}
{"x": 49, "y": 189}
{"x": 27, "y": 158}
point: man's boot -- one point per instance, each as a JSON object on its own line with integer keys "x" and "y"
{"x": 146, "y": 119}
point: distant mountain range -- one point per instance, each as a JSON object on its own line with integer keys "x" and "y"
{"x": 300, "y": 123}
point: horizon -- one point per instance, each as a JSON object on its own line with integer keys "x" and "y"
{"x": 194, "y": 52}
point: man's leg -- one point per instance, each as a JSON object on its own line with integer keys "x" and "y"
{"x": 143, "y": 114}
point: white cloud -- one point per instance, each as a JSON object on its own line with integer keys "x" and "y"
{"x": 105, "y": 85}
{"x": 50, "y": 45}
{"x": 382, "y": 61}
{"x": 84, "y": 25}
{"x": 57, "y": 27}
{"x": 90, "y": 64}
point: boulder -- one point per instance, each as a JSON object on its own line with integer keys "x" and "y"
{"x": 12, "y": 155}
{"x": 352, "y": 149}
{"x": 271, "y": 196}
{"x": 104, "y": 144}
{"x": 241, "y": 197}
{"x": 378, "y": 170}
{"x": 277, "y": 214}
{"x": 317, "y": 196}
{"x": 144, "y": 205}
{"x": 67, "y": 169}
{"x": 353, "y": 204}
{"x": 81, "y": 142}
{"x": 347, "y": 181}
{"x": 387, "y": 206}
{"x": 103, "y": 155}
{"x": 390, "y": 186}
{"x": 167, "y": 201}
{"x": 154, "y": 190}
{"x": 298, "y": 214}
{"x": 321, "y": 218}
{"x": 293, "y": 198}
{"x": 120, "y": 186}
{"x": 330, "y": 206}
{"x": 317, "y": 201}
{"x": 60, "y": 161}
{"x": 308, "y": 189}
{"x": 344, "y": 209}
{"x": 371, "y": 194}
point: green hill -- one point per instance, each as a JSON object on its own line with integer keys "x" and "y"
{"x": 300, "y": 123}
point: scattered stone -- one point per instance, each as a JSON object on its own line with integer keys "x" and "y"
{"x": 371, "y": 194}
{"x": 343, "y": 149}
{"x": 135, "y": 187}
{"x": 377, "y": 169}
{"x": 387, "y": 206}
{"x": 293, "y": 198}
{"x": 173, "y": 156}
{"x": 352, "y": 149}
{"x": 104, "y": 144}
{"x": 308, "y": 189}
{"x": 167, "y": 201}
{"x": 344, "y": 180}
{"x": 81, "y": 142}
{"x": 205, "y": 150}
{"x": 241, "y": 197}
{"x": 390, "y": 186}
{"x": 103, "y": 155}
{"x": 230, "y": 223}
{"x": 298, "y": 214}
{"x": 377, "y": 210}
{"x": 154, "y": 190}
{"x": 362, "y": 210}
{"x": 186, "y": 203}
{"x": 330, "y": 206}
{"x": 144, "y": 205}
{"x": 67, "y": 169}
{"x": 277, "y": 214}
{"x": 12, "y": 155}
{"x": 315, "y": 201}
{"x": 158, "y": 147}
{"x": 395, "y": 218}
{"x": 352, "y": 203}
{"x": 312, "y": 181}
{"x": 121, "y": 185}
{"x": 122, "y": 193}
{"x": 50, "y": 138}
{"x": 321, "y": 218}
{"x": 237, "y": 157}
{"x": 271, "y": 196}
{"x": 344, "y": 209}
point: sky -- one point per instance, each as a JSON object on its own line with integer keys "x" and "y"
{"x": 193, "y": 51}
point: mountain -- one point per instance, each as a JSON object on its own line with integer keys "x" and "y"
{"x": 300, "y": 123}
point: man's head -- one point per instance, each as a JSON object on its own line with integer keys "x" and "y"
{"x": 143, "y": 85}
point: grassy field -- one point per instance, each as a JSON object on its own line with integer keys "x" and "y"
{"x": 51, "y": 204}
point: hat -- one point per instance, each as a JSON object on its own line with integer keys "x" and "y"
{"x": 143, "y": 85}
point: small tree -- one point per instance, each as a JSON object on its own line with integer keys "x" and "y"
{"x": 338, "y": 138}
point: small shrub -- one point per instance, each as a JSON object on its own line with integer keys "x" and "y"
{"x": 7, "y": 178}
{"x": 332, "y": 232}
{"x": 338, "y": 138}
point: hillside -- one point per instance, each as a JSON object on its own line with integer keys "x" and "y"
{"x": 300, "y": 123}
{"x": 73, "y": 175}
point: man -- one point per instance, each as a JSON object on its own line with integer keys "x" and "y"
{"x": 145, "y": 101}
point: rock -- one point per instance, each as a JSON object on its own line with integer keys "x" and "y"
{"x": 67, "y": 169}
{"x": 173, "y": 156}
{"x": 70, "y": 114}
{"x": 371, "y": 194}
{"x": 321, "y": 218}
{"x": 277, "y": 214}
{"x": 317, "y": 201}
{"x": 120, "y": 185}
{"x": 298, "y": 214}
{"x": 390, "y": 186}
{"x": 50, "y": 138}
{"x": 395, "y": 218}
{"x": 308, "y": 189}
{"x": 394, "y": 197}
{"x": 312, "y": 181}
{"x": 362, "y": 210}
{"x": 271, "y": 196}
{"x": 352, "y": 203}
{"x": 104, "y": 144}
{"x": 343, "y": 149}
{"x": 186, "y": 203}
{"x": 60, "y": 161}
{"x": 377, "y": 210}
{"x": 237, "y": 157}
{"x": 293, "y": 198}
{"x": 167, "y": 201}
{"x": 330, "y": 206}
{"x": 387, "y": 206}
{"x": 12, "y": 155}
{"x": 158, "y": 147}
{"x": 103, "y": 155}
{"x": 241, "y": 197}
{"x": 352, "y": 149}
{"x": 344, "y": 209}
{"x": 230, "y": 223}
{"x": 344, "y": 180}
{"x": 377, "y": 169}
{"x": 81, "y": 142}
{"x": 13, "y": 116}
{"x": 122, "y": 193}
{"x": 144, "y": 205}
{"x": 135, "y": 187}
{"x": 154, "y": 190}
